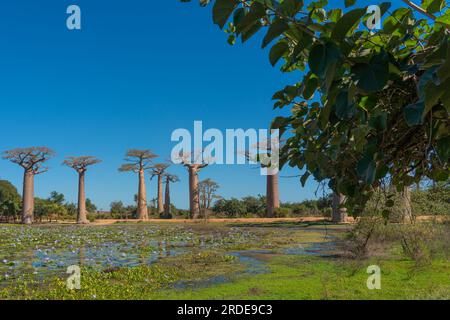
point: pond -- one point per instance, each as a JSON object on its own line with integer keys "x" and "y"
{"x": 43, "y": 251}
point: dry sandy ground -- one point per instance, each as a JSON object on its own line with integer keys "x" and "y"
{"x": 104, "y": 222}
{"x": 251, "y": 220}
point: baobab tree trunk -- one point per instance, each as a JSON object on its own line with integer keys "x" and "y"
{"x": 407, "y": 215}
{"x": 167, "y": 213}
{"x": 160, "y": 208}
{"x": 272, "y": 194}
{"x": 28, "y": 197}
{"x": 81, "y": 219}
{"x": 193, "y": 193}
{"x": 142, "y": 209}
{"x": 339, "y": 214}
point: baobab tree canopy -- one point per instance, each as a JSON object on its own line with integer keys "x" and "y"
{"x": 372, "y": 104}
{"x": 81, "y": 163}
{"x": 138, "y": 160}
{"x": 31, "y": 159}
{"x": 158, "y": 169}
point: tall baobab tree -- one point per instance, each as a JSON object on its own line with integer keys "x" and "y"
{"x": 80, "y": 165}
{"x": 193, "y": 166}
{"x": 271, "y": 167}
{"x": 272, "y": 194}
{"x": 194, "y": 200}
{"x": 339, "y": 214}
{"x": 138, "y": 161}
{"x": 31, "y": 160}
{"x": 169, "y": 178}
{"x": 158, "y": 171}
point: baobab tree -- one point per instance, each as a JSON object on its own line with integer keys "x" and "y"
{"x": 31, "y": 160}
{"x": 169, "y": 178}
{"x": 80, "y": 165}
{"x": 270, "y": 166}
{"x": 272, "y": 194}
{"x": 208, "y": 189}
{"x": 158, "y": 171}
{"x": 194, "y": 200}
{"x": 193, "y": 165}
{"x": 138, "y": 162}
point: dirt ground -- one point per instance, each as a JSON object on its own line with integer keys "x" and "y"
{"x": 251, "y": 220}
{"x": 104, "y": 222}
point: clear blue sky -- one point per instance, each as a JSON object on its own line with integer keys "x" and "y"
{"x": 136, "y": 71}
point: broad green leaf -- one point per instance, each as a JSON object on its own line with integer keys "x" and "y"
{"x": 277, "y": 51}
{"x": 222, "y": 10}
{"x": 322, "y": 56}
{"x": 433, "y": 6}
{"x": 276, "y": 29}
{"x": 366, "y": 169}
{"x": 413, "y": 113}
{"x": 349, "y": 3}
{"x": 372, "y": 76}
{"x": 346, "y": 23}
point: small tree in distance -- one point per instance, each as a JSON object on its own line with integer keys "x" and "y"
{"x": 208, "y": 193}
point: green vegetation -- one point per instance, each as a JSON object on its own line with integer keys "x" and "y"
{"x": 372, "y": 104}
{"x": 217, "y": 260}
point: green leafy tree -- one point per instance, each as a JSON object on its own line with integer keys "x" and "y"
{"x": 370, "y": 104}
{"x": 90, "y": 206}
{"x": 57, "y": 198}
{"x": 9, "y": 200}
{"x": 231, "y": 208}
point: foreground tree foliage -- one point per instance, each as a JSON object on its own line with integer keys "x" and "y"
{"x": 372, "y": 104}
{"x": 80, "y": 165}
{"x": 31, "y": 160}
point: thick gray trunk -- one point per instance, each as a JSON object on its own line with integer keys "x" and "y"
{"x": 272, "y": 194}
{"x": 160, "y": 207}
{"x": 28, "y": 198}
{"x": 167, "y": 213}
{"x": 142, "y": 210}
{"x": 82, "y": 214}
{"x": 339, "y": 213}
{"x": 193, "y": 193}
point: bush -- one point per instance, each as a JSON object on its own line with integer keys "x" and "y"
{"x": 283, "y": 212}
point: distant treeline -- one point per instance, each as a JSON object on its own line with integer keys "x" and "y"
{"x": 432, "y": 200}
